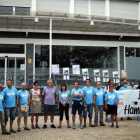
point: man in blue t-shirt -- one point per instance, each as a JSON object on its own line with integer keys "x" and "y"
{"x": 2, "y": 121}
{"x": 89, "y": 95}
{"x": 99, "y": 94}
{"x": 125, "y": 87}
{"x": 78, "y": 97}
{"x": 23, "y": 106}
{"x": 10, "y": 100}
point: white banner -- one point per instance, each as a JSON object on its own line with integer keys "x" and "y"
{"x": 129, "y": 104}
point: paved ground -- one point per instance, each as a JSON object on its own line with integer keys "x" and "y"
{"x": 129, "y": 130}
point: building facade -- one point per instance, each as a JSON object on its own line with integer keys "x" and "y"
{"x": 96, "y": 34}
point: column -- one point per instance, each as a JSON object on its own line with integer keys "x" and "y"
{"x": 50, "y": 51}
{"x": 71, "y": 7}
{"x": 107, "y": 9}
{"x": 33, "y": 7}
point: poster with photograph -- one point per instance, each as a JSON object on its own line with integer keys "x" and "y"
{"x": 96, "y": 75}
{"x": 115, "y": 75}
{"x": 76, "y": 69}
{"x": 22, "y": 67}
{"x": 85, "y": 74}
{"x": 66, "y": 74}
{"x": 55, "y": 69}
{"x": 105, "y": 75}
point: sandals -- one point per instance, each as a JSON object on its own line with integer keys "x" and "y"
{"x": 117, "y": 126}
{"x": 68, "y": 127}
{"x": 59, "y": 126}
{"x": 37, "y": 126}
{"x": 33, "y": 127}
{"x": 92, "y": 126}
{"x": 112, "y": 125}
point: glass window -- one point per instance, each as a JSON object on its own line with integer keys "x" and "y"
{"x": 12, "y": 48}
{"x": 129, "y": 52}
{"x": 87, "y": 57}
{"x": 42, "y": 62}
{"x": 132, "y": 52}
{"x": 6, "y": 10}
{"x": 22, "y": 10}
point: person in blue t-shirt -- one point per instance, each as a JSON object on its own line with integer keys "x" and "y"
{"x": 2, "y": 121}
{"x": 125, "y": 87}
{"x": 89, "y": 95}
{"x": 23, "y": 106}
{"x": 64, "y": 102}
{"x": 78, "y": 97}
{"x": 10, "y": 100}
{"x": 99, "y": 94}
{"x": 111, "y": 103}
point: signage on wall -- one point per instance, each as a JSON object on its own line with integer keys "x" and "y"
{"x": 66, "y": 74}
{"x": 55, "y": 69}
{"x": 124, "y": 74}
{"x": 22, "y": 66}
{"x": 76, "y": 69}
{"x": 29, "y": 60}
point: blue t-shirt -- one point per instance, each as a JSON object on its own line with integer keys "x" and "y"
{"x": 88, "y": 93}
{"x": 1, "y": 100}
{"x": 23, "y": 96}
{"x": 112, "y": 98}
{"x": 77, "y": 91}
{"x": 10, "y": 97}
{"x": 64, "y": 95}
{"x": 99, "y": 93}
{"x": 124, "y": 88}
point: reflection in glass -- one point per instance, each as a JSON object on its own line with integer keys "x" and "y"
{"x": 12, "y": 48}
{"x": 87, "y": 57}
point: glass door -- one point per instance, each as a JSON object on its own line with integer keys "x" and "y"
{"x": 12, "y": 68}
{"x": 20, "y": 71}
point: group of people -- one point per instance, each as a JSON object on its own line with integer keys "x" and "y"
{"x": 13, "y": 102}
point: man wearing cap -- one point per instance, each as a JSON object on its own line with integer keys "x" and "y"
{"x": 125, "y": 87}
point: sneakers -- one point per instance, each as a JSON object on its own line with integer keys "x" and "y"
{"x": 26, "y": 128}
{"x": 19, "y": 129}
{"x": 45, "y": 126}
{"x": 81, "y": 126}
{"x": 73, "y": 126}
{"x": 12, "y": 131}
{"x": 6, "y": 133}
{"x": 53, "y": 126}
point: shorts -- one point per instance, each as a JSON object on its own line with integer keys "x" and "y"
{"x": 10, "y": 112}
{"x": 21, "y": 114}
{"x": 49, "y": 108}
{"x": 77, "y": 106}
{"x": 89, "y": 110}
{"x": 111, "y": 109}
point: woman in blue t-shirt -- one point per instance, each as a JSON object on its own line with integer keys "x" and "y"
{"x": 64, "y": 95}
{"x": 111, "y": 102}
